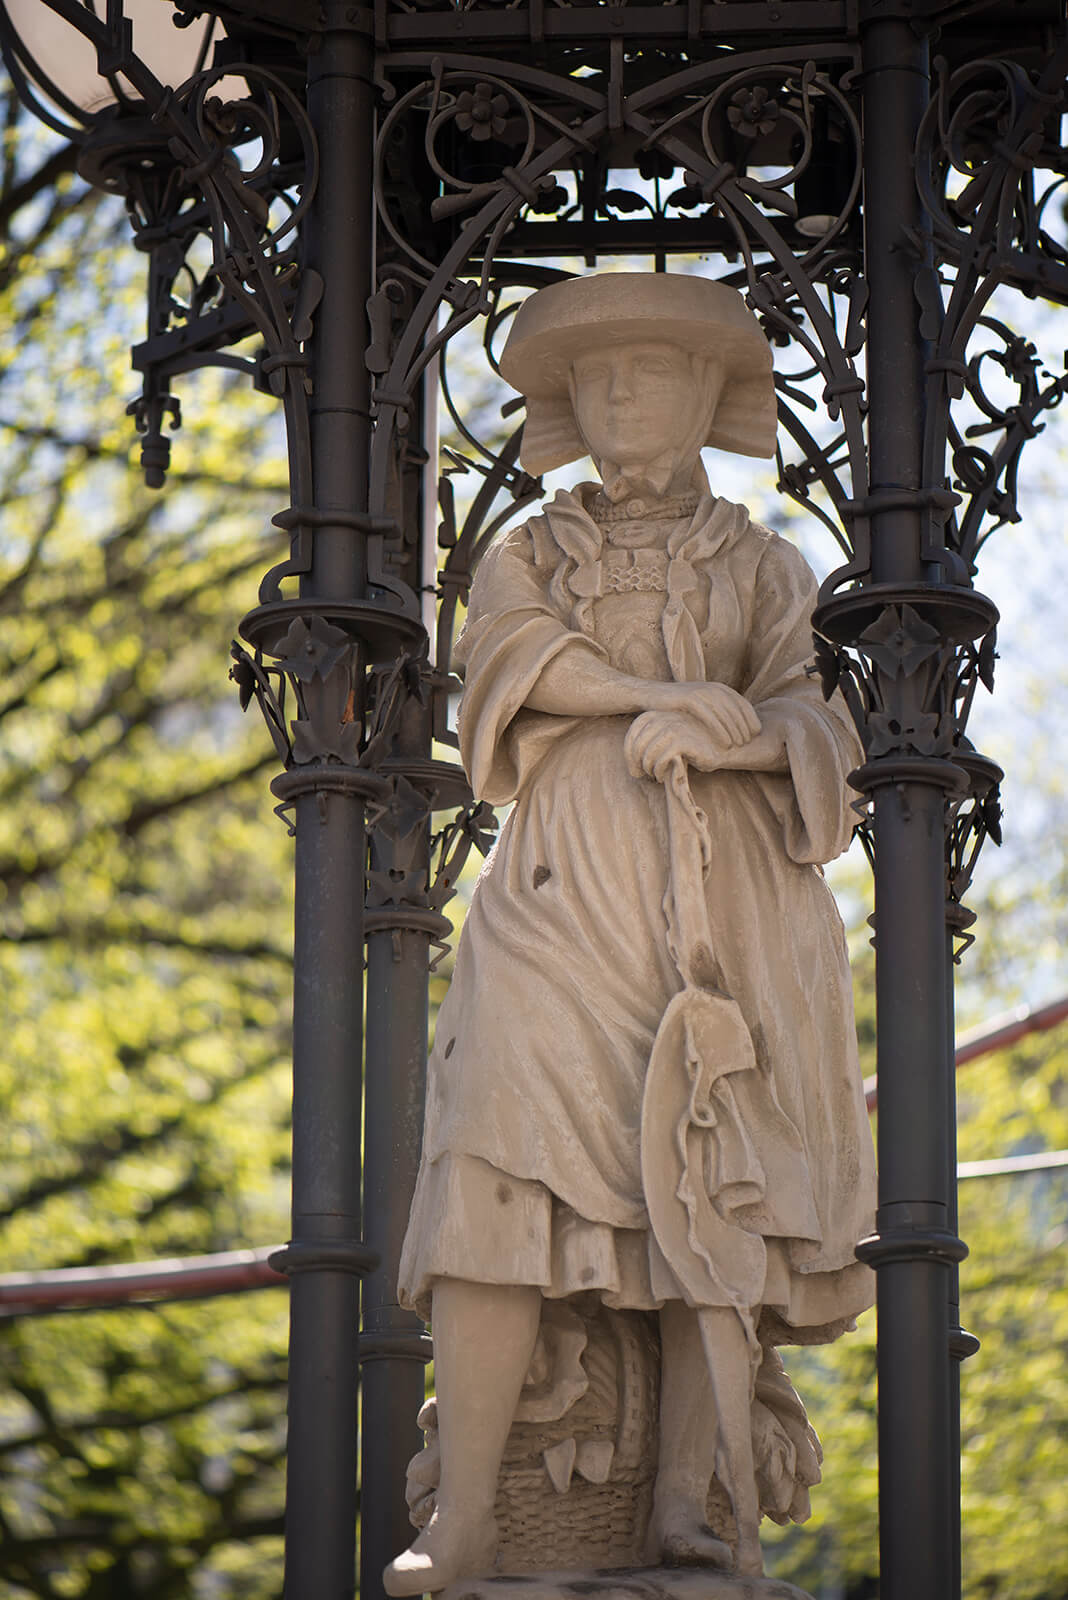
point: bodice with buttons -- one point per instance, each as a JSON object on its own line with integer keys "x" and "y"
{"x": 627, "y": 613}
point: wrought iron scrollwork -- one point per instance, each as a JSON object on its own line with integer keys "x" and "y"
{"x": 909, "y": 667}
{"x": 760, "y": 152}
{"x": 411, "y": 881}
{"x": 971, "y": 819}
{"x": 183, "y": 166}
{"x": 217, "y": 189}
{"x": 906, "y": 643}
{"x": 990, "y": 169}
{"x": 328, "y": 725}
{"x": 346, "y": 713}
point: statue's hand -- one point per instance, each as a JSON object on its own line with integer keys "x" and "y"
{"x": 657, "y": 738}
{"x": 701, "y": 733}
{"x": 718, "y": 708}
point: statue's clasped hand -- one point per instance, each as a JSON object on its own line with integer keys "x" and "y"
{"x": 698, "y": 724}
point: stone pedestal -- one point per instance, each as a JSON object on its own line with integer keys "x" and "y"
{"x": 625, "y": 1583}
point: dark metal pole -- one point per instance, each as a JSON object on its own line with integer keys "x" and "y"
{"x": 325, "y": 1257}
{"x": 954, "y": 1331}
{"x": 393, "y": 1346}
{"x": 914, "y": 1246}
{"x": 963, "y": 1344}
{"x": 910, "y": 1247}
{"x": 895, "y": 94}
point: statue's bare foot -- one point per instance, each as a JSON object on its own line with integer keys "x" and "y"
{"x": 451, "y": 1546}
{"x": 749, "y": 1558}
{"x": 680, "y": 1537}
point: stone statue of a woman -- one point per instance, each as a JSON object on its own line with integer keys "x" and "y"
{"x": 644, "y": 1085}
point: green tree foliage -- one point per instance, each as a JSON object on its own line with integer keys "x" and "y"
{"x": 145, "y": 921}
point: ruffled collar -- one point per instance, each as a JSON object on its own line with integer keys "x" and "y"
{"x": 638, "y": 508}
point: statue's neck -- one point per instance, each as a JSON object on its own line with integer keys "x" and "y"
{"x": 665, "y": 479}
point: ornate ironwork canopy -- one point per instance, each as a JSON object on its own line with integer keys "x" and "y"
{"x": 876, "y": 176}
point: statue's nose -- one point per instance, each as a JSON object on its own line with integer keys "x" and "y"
{"x": 621, "y": 386}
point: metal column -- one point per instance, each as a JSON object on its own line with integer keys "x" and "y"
{"x": 325, "y": 1256}
{"x": 915, "y": 1243}
{"x": 394, "y": 1349}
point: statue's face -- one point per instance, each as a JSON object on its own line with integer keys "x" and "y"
{"x": 635, "y": 402}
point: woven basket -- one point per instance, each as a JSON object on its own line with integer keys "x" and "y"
{"x": 590, "y": 1505}
{"x": 591, "y": 1524}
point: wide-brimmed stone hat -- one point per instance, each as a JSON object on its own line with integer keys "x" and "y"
{"x": 568, "y": 318}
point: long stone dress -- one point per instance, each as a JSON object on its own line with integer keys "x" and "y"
{"x": 584, "y": 1129}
